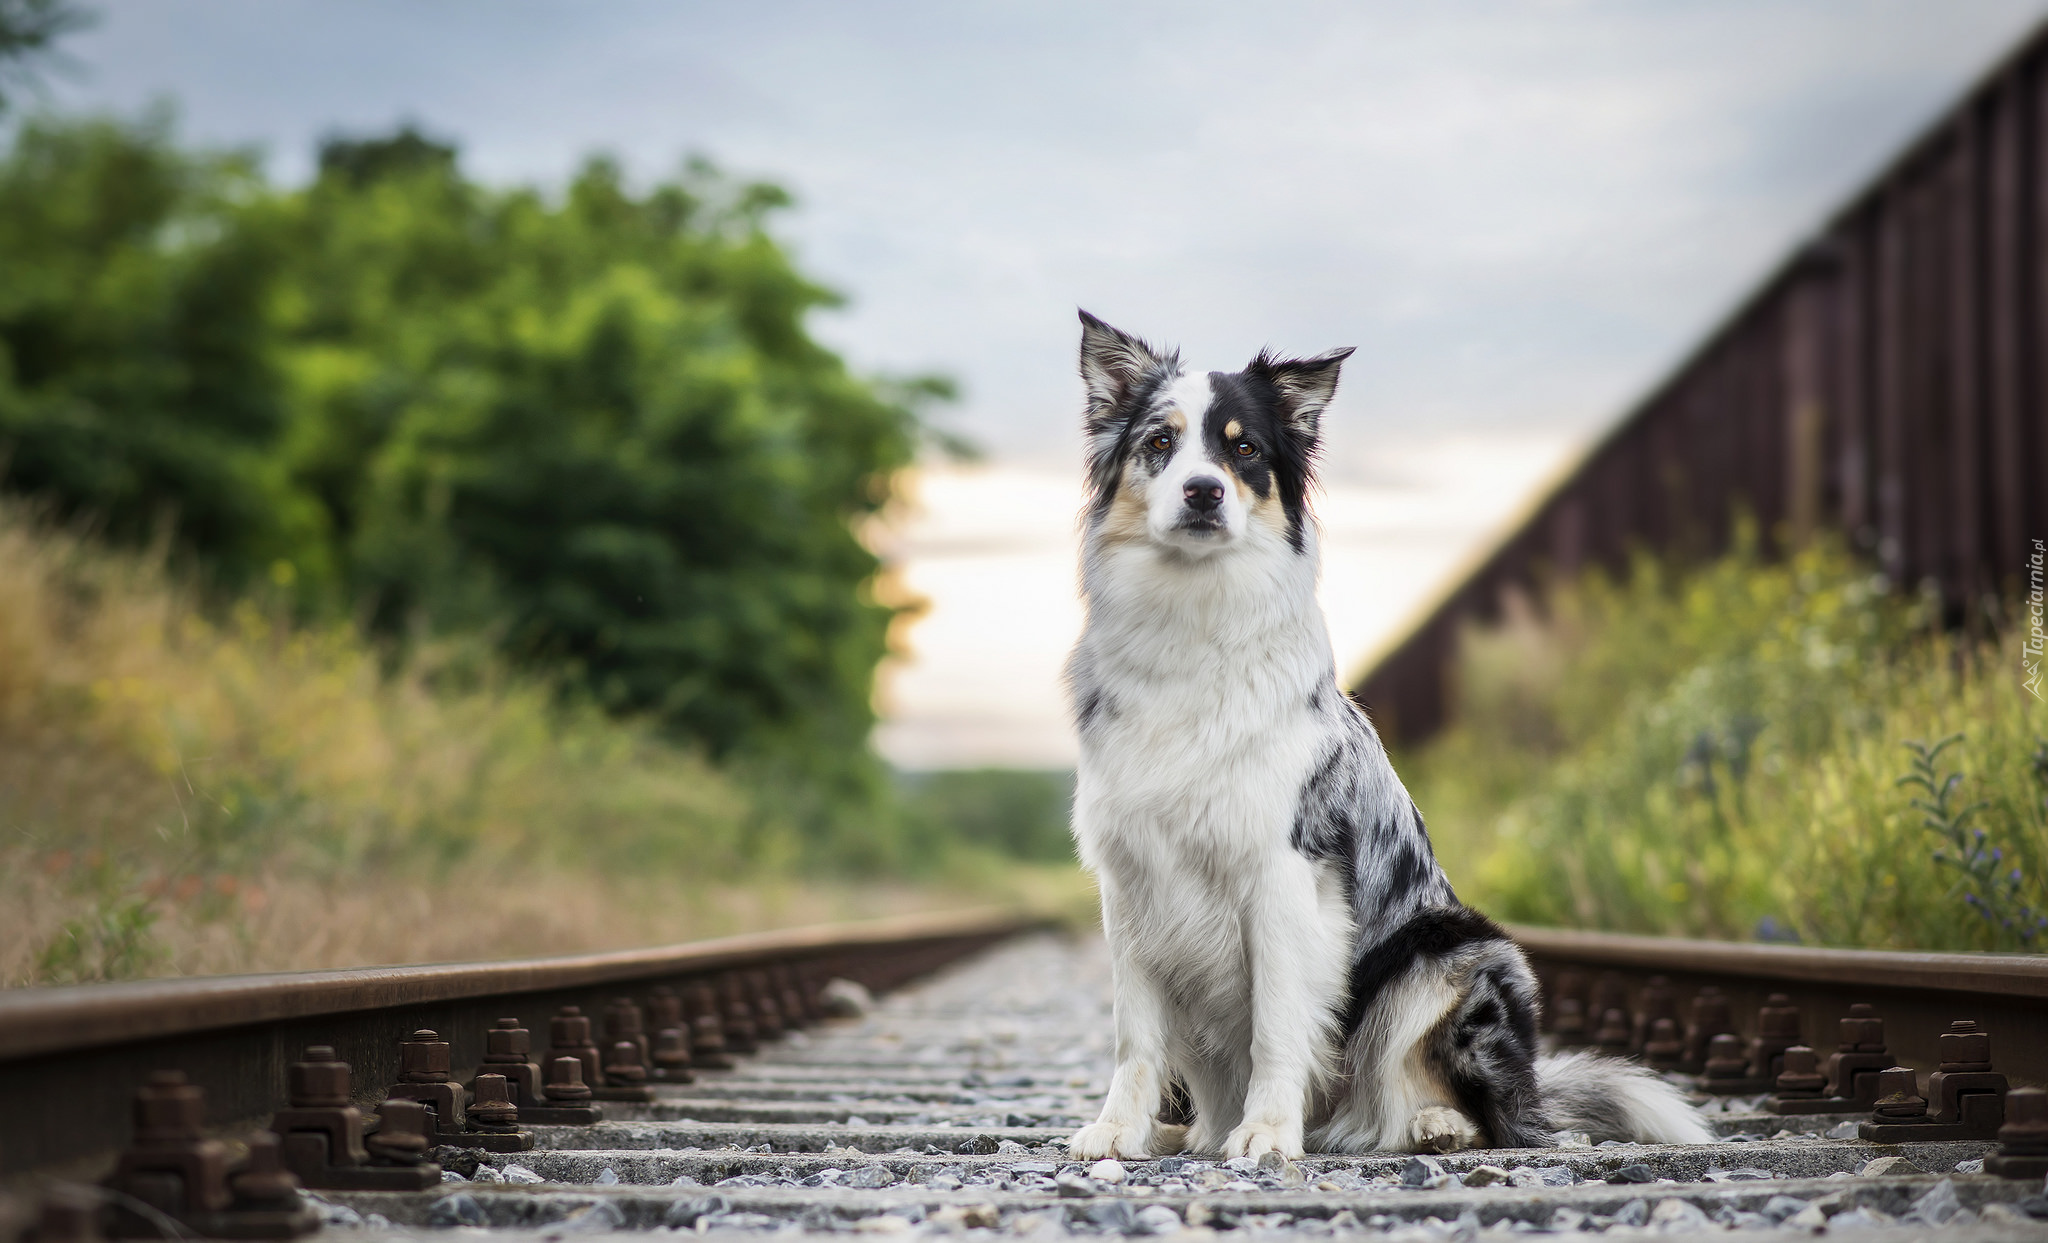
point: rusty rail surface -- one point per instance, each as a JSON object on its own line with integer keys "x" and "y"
{"x": 1889, "y": 381}
{"x": 71, "y": 1057}
{"x": 949, "y": 1115}
{"x": 1918, "y": 995}
{"x": 700, "y": 1080}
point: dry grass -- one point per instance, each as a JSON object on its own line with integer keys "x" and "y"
{"x": 288, "y": 922}
{"x": 186, "y": 790}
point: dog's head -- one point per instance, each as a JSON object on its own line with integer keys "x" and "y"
{"x": 1199, "y": 463}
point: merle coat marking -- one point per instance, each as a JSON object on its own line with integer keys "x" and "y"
{"x": 1285, "y": 943}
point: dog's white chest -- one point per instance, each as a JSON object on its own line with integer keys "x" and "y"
{"x": 1195, "y": 779}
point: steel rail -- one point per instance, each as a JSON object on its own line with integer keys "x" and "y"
{"x": 35, "y": 1021}
{"x": 1918, "y": 994}
{"x": 953, "y": 1108}
{"x": 71, "y": 1057}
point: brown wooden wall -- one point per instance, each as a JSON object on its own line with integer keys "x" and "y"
{"x": 1890, "y": 380}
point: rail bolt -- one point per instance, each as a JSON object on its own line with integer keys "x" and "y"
{"x": 1609, "y": 993}
{"x": 1862, "y": 1031}
{"x": 794, "y": 1012}
{"x": 170, "y": 1167}
{"x": 401, "y": 1135}
{"x": 565, "y": 1080}
{"x": 664, "y": 1008}
{"x": 707, "y": 1027}
{"x": 1659, "y": 1001}
{"x": 263, "y": 1181}
{"x": 168, "y": 1109}
{"x": 321, "y": 1081}
{"x": 1801, "y": 1076}
{"x": 1777, "y": 1028}
{"x": 423, "y": 1057}
{"x": 1664, "y": 1048}
{"x": 1725, "y": 1057}
{"x": 797, "y": 979}
{"x": 569, "y": 1028}
{"x": 2026, "y": 1121}
{"x": 1965, "y": 1047}
{"x": 1898, "y": 1095}
{"x": 672, "y": 1053}
{"x": 1613, "y": 1034}
{"x": 623, "y": 1021}
{"x": 507, "y": 1041}
{"x": 1568, "y": 1007}
{"x": 741, "y": 1035}
{"x": 2025, "y": 1132}
{"x": 1779, "y": 1018}
{"x": 622, "y": 1065}
{"x": 767, "y": 1010}
{"x": 492, "y": 1107}
{"x": 2023, "y": 1140}
{"x": 671, "y": 1050}
{"x": 1710, "y": 1018}
{"x": 569, "y": 1035}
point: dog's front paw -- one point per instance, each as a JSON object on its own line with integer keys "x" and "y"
{"x": 1256, "y": 1139}
{"x": 1110, "y": 1139}
{"x": 1440, "y": 1129}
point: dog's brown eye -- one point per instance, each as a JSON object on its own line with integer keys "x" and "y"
{"x": 1162, "y": 442}
{"x": 1245, "y": 448}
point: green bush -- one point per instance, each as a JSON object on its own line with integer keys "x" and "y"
{"x": 1015, "y": 813}
{"x": 591, "y": 425}
{"x": 138, "y": 378}
{"x": 1721, "y": 752}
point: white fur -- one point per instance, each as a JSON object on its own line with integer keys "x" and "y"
{"x": 1203, "y": 657}
{"x": 1651, "y": 1110}
{"x": 1165, "y": 492}
{"x": 1184, "y": 803}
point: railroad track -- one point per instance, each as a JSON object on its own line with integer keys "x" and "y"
{"x": 943, "y": 1107}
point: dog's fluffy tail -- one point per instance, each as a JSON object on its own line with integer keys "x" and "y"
{"x": 1612, "y": 1099}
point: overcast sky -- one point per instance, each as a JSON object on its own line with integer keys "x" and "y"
{"x": 1521, "y": 213}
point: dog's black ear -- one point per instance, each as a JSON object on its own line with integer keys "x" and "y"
{"x": 1305, "y": 386}
{"x": 1113, "y": 363}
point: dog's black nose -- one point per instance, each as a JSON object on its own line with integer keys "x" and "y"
{"x": 1204, "y": 493}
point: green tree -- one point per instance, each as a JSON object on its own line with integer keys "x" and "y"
{"x": 593, "y": 425}
{"x": 136, "y": 383}
{"x": 29, "y": 30}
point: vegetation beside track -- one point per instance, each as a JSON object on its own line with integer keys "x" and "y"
{"x": 397, "y": 567}
{"x": 1736, "y": 751}
{"x": 191, "y": 788}
{"x": 583, "y": 429}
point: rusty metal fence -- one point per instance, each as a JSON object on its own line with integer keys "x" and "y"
{"x": 1889, "y": 381}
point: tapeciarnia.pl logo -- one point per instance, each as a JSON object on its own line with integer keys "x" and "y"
{"x": 2037, "y": 636}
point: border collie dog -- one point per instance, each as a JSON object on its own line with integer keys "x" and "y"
{"x": 1284, "y": 943}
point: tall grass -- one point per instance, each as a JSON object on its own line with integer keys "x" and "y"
{"x": 186, "y": 788}
{"x": 1781, "y": 749}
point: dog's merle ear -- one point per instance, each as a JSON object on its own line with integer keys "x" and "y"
{"x": 1113, "y": 363}
{"x": 1305, "y": 386}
